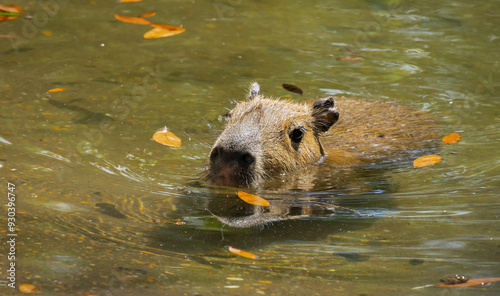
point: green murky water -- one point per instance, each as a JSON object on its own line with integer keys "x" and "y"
{"x": 90, "y": 183}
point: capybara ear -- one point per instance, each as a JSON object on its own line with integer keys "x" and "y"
{"x": 254, "y": 90}
{"x": 325, "y": 114}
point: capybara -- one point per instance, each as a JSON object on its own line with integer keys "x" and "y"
{"x": 265, "y": 138}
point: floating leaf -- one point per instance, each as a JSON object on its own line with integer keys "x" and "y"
{"x": 127, "y": 1}
{"x": 252, "y": 199}
{"x": 426, "y": 160}
{"x": 56, "y": 89}
{"x": 292, "y": 88}
{"x": 8, "y": 12}
{"x": 472, "y": 282}
{"x": 161, "y": 30}
{"x": 132, "y": 19}
{"x": 147, "y": 14}
{"x": 27, "y": 289}
{"x": 167, "y": 138}
{"x": 452, "y": 138}
{"x": 241, "y": 253}
{"x": 349, "y": 59}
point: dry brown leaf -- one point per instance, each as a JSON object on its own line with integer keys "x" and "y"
{"x": 349, "y": 59}
{"x": 167, "y": 138}
{"x": 161, "y": 30}
{"x": 56, "y": 89}
{"x": 452, "y": 138}
{"x": 472, "y": 282}
{"x": 426, "y": 160}
{"x": 241, "y": 253}
{"x": 147, "y": 14}
{"x": 252, "y": 199}
{"x": 132, "y": 19}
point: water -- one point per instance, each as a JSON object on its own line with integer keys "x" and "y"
{"x": 102, "y": 209}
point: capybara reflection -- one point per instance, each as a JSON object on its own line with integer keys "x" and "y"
{"x": 265, "y": 137}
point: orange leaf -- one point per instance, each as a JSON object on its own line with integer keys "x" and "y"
{"x": 132, "y": 19}
{"x": 472, "y": 282}
{"x": 27, "y": 289}
{"x": 126, "y": 1}
{"x": 349, "y": 59}
{"x": 253, "y": 199}
{"x": 161, "y": 30}
{"x": 56, "y": 89}
{"x": 147, "y": 14}
{"x": 452, "y": 138}
{"x": 426, "y": 160}
{"x": 241, "y": 253}
{"x": 9, "y": 8}
{"x": 167, "y": 138}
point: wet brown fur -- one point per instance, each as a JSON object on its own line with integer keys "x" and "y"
{"x": 367, "y": 131}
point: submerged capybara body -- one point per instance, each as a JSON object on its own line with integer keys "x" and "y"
{"x": 265, "y": 138}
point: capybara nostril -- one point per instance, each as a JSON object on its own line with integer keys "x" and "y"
{"x": 246, "y": 160}
{"x": 216, "y": 151}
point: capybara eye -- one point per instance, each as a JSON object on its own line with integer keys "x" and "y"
{"x": 296, "y": 135}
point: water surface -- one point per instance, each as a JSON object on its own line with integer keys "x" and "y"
{"x": 104, "y": 210}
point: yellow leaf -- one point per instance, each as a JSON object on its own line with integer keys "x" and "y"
{"x": 147, "y": 14}
{"x": 127, "y": 1}
{"x": 167, "y": 138}
{"x": 27, "y": 289}
{"x": 426, "y": 160}
{"x": 253, "y": 199}
{"x": 161, "y": 30}
{"x": 56, "y": 89}
{"x": 132, "y": 19}
{"x": 452, "y": 138}
{"x": 241, "y": 253}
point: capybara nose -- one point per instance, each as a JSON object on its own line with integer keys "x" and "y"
{"x": 242, "y": 159}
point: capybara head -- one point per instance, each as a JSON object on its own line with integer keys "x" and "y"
{"x": 265, "y": 137}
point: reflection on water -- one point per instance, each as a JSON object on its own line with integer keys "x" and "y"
{"x": 101, "y": 209}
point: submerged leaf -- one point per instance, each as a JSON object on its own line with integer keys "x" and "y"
{"x": 167, "y": 138}
{"x": 147, "y": 14}
{"x": 241, "y": 253}
{"x": 471, "y": 282}
{"x": 56, "y": 89}
{"x": 252, "y": 199}
{"x": 426, "y": 160}
{"x": 161, "y": 30}
{"x": 452, "y": 138}
{"x": 292, "y": 88}
{"x": 132, "y": 19}
{"x": 349, "y": 59}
